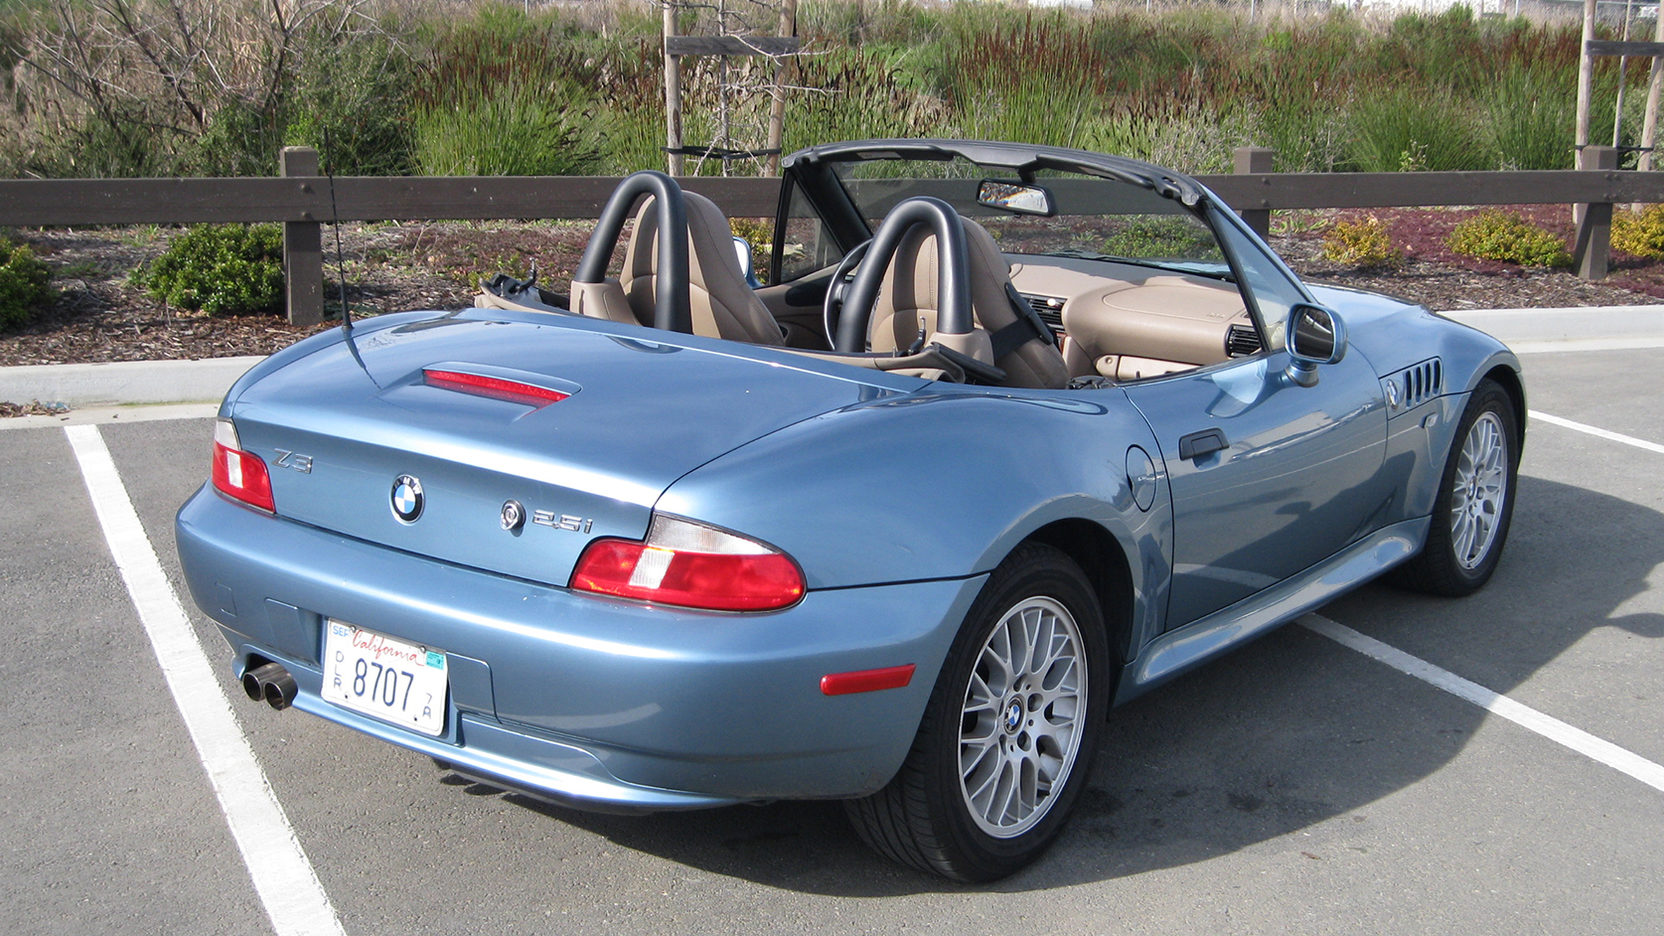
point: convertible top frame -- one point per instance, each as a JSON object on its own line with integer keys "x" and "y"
{"x": 811, "y": 170}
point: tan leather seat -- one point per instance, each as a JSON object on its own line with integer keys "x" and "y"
{"x": 723, "y": 304}
{"x": 907, "y": 302}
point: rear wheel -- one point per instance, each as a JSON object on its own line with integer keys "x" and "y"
{"x": 1475, "y": 502}
{"x": 1006, "y": 744}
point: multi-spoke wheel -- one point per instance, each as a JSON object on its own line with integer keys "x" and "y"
{"x": 1019, "y": 727}
{"x": 1479, "y": 490}
{"x": 1007, "y": 741}
{"x": 1475, "y": 500}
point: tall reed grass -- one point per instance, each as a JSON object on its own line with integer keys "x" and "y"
{"x": 498, "y": 87}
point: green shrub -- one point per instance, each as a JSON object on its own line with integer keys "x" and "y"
{"x": 1640, "y": 234}
{"x": 1497, "y": 235}
{"x": 24, "y": 285}
{"x": 759, "y": 236}
{"x": 1363, "y": 244}
{"x": 519, "y": 131}
{"x": 1154, "y": 237}
{"x": 867, "y": 95}
{"x": 1413, "y": 132}
{"x": 229, "y": 269}
{"x": 1530, "y": 118}
{"x": 352, "y": 104}
{"x": 507, "y": 94}
{"x": 242, "y": 139}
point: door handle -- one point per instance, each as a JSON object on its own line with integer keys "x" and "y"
{"x": 1206, "y": 442}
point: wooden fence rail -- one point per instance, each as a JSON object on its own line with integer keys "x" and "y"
{"x": 303, "y": 200}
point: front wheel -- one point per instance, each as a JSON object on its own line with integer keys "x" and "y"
{"x": 1007, "y": 740}
{"x": 1475, "y": 502}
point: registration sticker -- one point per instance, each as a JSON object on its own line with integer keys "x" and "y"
{"x": 385, "y": 677}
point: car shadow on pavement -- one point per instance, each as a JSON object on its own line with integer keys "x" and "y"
{"x": 1289, "y": 732}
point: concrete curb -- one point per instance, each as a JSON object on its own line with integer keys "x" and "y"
{"x": 151, "y": 382}
{"x": 1590, "y": 323}
{"x": 124, "y": 382}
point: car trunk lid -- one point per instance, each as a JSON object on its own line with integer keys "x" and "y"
{"x": 580, "y": 427}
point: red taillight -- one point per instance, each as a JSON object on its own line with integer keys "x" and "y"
{"x": 497, "y": 388}
{"x": 238, "y": 474}
{"x": 691, "y": 565}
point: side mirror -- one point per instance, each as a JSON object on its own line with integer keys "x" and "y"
{"x": 1315, "y": 336}
{"x": 742, "y": 248}
{"x": 1016, "y": 197}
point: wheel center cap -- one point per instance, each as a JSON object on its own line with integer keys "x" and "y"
{"x": 1013, "y": 714}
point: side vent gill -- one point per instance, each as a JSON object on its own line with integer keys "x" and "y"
{"x": 1413, "y": 386}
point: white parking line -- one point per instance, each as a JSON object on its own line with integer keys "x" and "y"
{"x": 283, "y": 877}
{"x": 1553, "y": 729}
{"x": 1598, "y": 432}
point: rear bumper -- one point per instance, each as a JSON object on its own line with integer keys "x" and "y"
{"x": 596, "y": 703}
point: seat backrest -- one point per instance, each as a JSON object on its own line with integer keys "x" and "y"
{"x": 907, "y": 302}
{"x": 723, "y": 303}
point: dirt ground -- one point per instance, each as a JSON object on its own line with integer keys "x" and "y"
{"x": 99, "y": 316}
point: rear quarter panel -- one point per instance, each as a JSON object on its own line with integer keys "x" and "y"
{"x": 940, "y": 484}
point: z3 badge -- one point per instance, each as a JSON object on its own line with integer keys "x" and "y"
{"x": 294, "y": 460}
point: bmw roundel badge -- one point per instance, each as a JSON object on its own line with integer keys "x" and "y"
{"x": 407, "y": 498}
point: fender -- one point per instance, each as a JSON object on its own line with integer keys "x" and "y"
{"x": 948, "y": 482}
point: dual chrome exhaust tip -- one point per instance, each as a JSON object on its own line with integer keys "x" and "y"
{"x": 272, "y": 683}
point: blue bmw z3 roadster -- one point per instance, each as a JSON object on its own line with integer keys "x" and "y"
{"x": 1011, "y": 435}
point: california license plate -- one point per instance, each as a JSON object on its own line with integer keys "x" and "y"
{"x": 384, "y": 677}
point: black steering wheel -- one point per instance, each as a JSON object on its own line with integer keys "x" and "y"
{"x": 832, "y": 306}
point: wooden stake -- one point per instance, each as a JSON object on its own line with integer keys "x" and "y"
{"x": 785, "y": 73}
{"x": 1649, "y": 128}
{"x": 1585, "y": 76}
{"x": 673, "y": 94}
{"x": 1623, "y": 75}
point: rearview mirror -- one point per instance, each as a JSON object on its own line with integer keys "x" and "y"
{"x": 1016, "y": 197}
{"x": 1316, "y": 336}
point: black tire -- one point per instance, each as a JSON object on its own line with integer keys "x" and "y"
{"x": 924, "y": 817}
{"x": 1449, "y": 563}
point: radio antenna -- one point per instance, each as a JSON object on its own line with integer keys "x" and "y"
{"x": 335, "y": 223}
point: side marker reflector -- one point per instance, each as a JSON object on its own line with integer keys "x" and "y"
{"x": 872, "y": 680}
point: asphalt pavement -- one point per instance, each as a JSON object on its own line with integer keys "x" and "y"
{"x": 1297, "y": 786}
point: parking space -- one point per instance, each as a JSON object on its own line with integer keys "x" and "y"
{"x": 110, "y": 824}
{"x": 1296, "y": 786}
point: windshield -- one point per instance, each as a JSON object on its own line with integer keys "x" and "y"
{"x": 1097, "y": 218}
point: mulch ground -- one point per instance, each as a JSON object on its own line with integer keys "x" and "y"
{"x": 98, "y": 316}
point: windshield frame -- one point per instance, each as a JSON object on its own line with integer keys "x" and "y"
{"x": 813, "y": 171}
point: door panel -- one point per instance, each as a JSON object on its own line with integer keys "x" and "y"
{"x": 1267, "y": 477}
{"x": 797, "y": 306}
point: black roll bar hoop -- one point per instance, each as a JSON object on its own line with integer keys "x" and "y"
{"x": 953, "y": 285}
{"x": 671, "y": 309}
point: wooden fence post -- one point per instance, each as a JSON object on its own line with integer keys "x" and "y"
{"x": 303, "y": 253}
{"x": 1254, "y": 160}
{"x": 1594, "y": 220}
